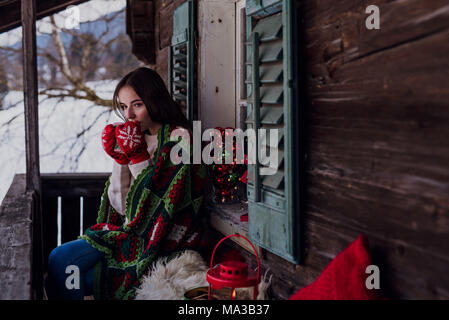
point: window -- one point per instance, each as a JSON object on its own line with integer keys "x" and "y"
{"x": 247, "y": 58}
{"x": 222, "y": 89}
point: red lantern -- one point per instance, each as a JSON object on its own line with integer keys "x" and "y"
{"x": 232, "y": 274}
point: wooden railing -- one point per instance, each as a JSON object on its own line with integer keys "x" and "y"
{"x": 76, "y": 197}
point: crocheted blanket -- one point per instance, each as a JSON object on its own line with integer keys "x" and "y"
{"x": 163, "y": 210}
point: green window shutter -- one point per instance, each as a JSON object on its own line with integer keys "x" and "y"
{"x": 181, "y": 61}
{"x": 273, "y": 204}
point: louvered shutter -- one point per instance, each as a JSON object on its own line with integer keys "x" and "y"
{"x": 181, "y": 61}
{"x": 273, "y": 200}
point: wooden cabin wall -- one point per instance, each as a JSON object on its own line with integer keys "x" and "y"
{"x": 164, "y": 30}
{"x": 377, "y": 126}
{"x": 378, "y": 114}
{"x": 377, "y": 104}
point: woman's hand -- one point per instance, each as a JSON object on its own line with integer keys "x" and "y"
{"x": 132, "y": 142}
{"x": 110, "y": 144}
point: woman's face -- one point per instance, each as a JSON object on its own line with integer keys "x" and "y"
{"x": 133, "y": 107}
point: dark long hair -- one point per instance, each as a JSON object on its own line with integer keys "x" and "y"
{"x": 150, "y": 87}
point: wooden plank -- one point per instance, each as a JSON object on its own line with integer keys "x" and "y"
{"x": 418, "y": 221}
{"x": 50, "y": 226}
{"x": 140, "y": 28}
{"x": 16, "y": 242}
{"x": 30, "y": 94}
{"x": 71, "y": 184}
{"x": 70, "y": 187}
{"x": 412, "y": 21}
{"x": 90, "y": 212}
{"x": 341, "y": 35}
{"x": 226, "y": 219}
{"x": 70, "y": 218}
{"x": 163, "y": 34}
{"x": 10, "y": 11}
{"x": 33, "y": 183}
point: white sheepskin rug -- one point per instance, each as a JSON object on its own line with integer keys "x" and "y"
{"x": 170, "y": 280}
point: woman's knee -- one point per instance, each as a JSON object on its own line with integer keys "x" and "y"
{"x": 58, "y": 259}
{"x": 62, "y": 256}
{"x": 77, "y": 252}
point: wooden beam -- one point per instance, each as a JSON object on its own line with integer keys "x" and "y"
{"x": 140, "y": 29}
{"x": 6, "y": 2}
{"x": 33, "y": 184}
{"x": 30, "y": 90}
{"x": 10, "y": 11}
{"x": 16, "y": 242}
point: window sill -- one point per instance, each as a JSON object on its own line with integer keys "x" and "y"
{"x": 225, "y": 218}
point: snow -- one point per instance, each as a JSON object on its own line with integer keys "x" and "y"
{"x": 88, "y": 11}
{"x": 59, "y": 125}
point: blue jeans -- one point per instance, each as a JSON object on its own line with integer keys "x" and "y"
{"x": 62, "y": 281}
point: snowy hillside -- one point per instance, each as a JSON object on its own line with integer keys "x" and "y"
{"x": 59, "y": 124}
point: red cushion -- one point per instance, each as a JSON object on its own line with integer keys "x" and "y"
{"x": 344, "y": 278}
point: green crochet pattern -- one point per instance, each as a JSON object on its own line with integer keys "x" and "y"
{"x": 163, "y": 210}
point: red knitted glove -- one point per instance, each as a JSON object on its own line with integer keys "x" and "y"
{"x": 132, "y": 142}
{"x": 110, "y": 144}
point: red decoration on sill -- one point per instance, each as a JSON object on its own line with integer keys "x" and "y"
{"x": 244, "y": 217}
{"x": 228, "y": 179}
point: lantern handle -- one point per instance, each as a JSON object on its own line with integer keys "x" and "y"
{"x": 239, "y": 236}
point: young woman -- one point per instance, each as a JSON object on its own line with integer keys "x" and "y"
{"x": 150, "y": 207}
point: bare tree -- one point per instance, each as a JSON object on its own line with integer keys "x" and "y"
{"x": 3, "y": 83}
{"x": 76, "y": 73}
{"x": 86, "y": 51}
{"x": 69, "y": 68}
